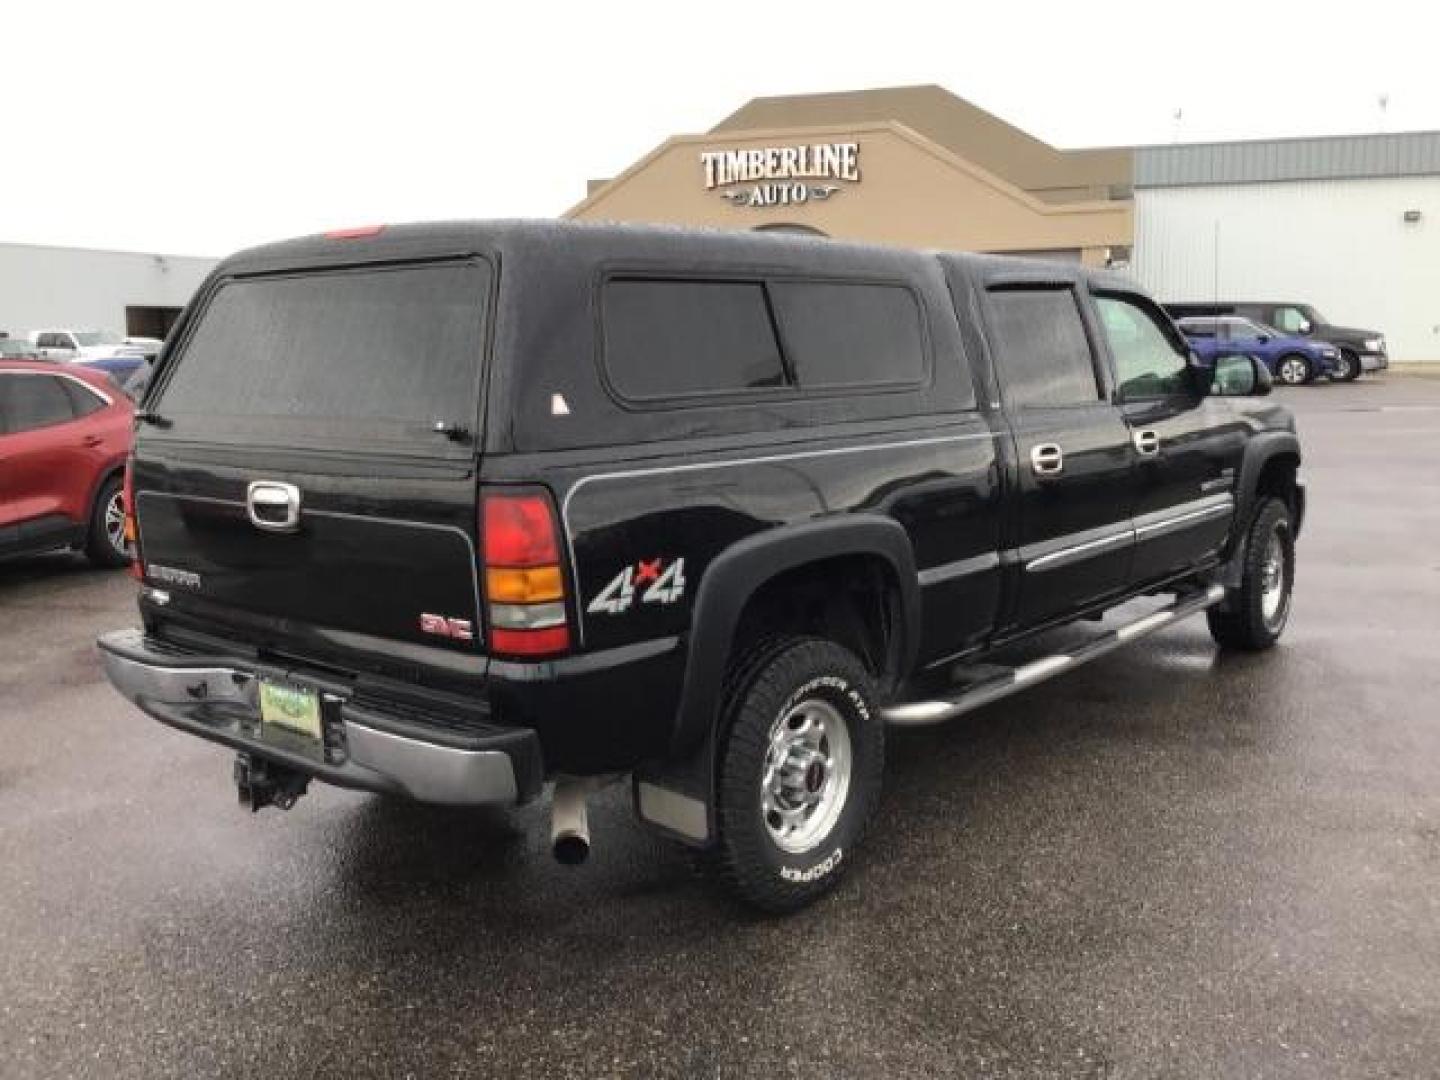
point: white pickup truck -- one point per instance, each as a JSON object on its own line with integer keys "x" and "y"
{"x": 87, "y": 345}
{"x": 120, "y": 357}
{"x": 103, "y": 349}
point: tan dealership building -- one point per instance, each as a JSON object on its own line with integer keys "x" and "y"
{"x": 914, "y": 166}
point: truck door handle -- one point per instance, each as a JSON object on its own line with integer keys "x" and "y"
{"x": 92, "y": 440}
{"x": 1147, "y": 443}
{"x": 1047, "y": 459}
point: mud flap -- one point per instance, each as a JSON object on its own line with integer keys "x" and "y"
{"x": 676, "y": 798}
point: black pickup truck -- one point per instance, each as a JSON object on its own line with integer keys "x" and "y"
{"x": 450, "y": 511}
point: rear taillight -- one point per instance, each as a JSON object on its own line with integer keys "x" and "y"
{"x": 132, "y": 530}
{"x": 524, "y": 579}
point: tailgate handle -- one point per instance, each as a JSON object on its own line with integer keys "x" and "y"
{"x": 273, "y": 506}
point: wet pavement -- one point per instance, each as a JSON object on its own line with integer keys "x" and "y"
{"x": 1168, "y": 863}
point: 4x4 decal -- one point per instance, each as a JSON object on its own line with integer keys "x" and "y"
{"x": 662, "y": 584}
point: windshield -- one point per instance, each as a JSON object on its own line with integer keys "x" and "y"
{"x": 88, "y": 338}
{"x": 349, "y": 356}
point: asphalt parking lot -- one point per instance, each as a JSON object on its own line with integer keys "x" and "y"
{"x": 1170, "y": 863}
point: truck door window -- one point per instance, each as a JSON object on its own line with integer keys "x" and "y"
{"x": 1147, "y": 363}
{"x": 1290, "y": 319}
{"x": 1043, "y": 357}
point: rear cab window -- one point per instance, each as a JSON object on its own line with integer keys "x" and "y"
{"x": 373, "y": 355}
{"x": 1044, "y": 355}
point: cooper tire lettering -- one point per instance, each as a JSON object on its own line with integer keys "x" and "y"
{"x": 816, "y": 872}
{"x": 800, "y": 770}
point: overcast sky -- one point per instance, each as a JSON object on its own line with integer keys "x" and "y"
{"x": 201, "y": 127}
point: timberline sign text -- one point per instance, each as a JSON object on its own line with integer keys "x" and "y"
{"x": 781, "y": 175}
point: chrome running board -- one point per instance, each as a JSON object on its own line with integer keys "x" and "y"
{"x": 1007, "y": 681}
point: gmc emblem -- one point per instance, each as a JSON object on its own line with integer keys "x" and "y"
{"x": 444, "y": 626}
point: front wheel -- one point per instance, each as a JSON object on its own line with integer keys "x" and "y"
{"x": 800, "y": 771}
{"x": 1293, "y": 370}
{"x": 1253, "y": 616}
{"x": 1347, "y": 367}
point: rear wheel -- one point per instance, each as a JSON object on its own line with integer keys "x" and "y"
{"x": 105, "y": 540}
{"x": 1253, "y": 616}
{"x": 1347, "y": 366}
{"x": 800, "y": 771}
{"x": 1293, "y": 370}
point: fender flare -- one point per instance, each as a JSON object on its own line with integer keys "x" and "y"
{"x": 1259, "y": 452}
{"x": 737, "y": 573}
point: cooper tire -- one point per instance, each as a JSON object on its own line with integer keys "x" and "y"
{"x": 800, "y": 771}
{"x": 1294, "y": 370}
{"x": 1253, "y": 617}
{"x": 1347, "y": 367}
{"x": 105, "y": 538}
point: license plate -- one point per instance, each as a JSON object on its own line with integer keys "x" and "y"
{"x": 291, "y": 709}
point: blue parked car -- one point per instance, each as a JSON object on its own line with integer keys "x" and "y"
{"x": 1292, "y": 360}
{"x": 119, "y": 368}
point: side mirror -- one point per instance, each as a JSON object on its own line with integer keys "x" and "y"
{"x": 1305, "y": 326}
{"x": 1241, "y": 376}
{"x": 1202, "y": 375}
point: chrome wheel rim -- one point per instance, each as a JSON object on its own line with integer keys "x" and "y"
{"x": 807, "y": 775}
{"x": 1274, "y": 595}
{"x": 1348, "y": 364}
{"x": 1293, "y": 371}
{"x": 115, "y": 523}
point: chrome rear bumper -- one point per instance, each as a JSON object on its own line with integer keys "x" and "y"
{"x": 217, "y": 698}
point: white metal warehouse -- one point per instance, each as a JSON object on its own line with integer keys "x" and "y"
{"x": 86, "y": 289}
{"x": 1350, "y": 224}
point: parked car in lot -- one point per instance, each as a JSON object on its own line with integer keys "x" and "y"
{"x": 17, "y": 349}
{"x": 1359, "y": 350}
{"x": 100, "y": 349}
{"x": 64, "y": 435}
{"x": 446, "y": 511}
{"x": 1292, "y": 360}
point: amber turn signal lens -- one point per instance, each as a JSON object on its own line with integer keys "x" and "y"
{"x": 533, "y": 585}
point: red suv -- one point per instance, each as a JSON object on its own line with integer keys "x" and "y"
{"x": 64, "y": 436}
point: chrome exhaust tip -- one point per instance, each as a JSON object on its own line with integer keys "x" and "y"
{"x": 570, "y": 849}
{"x": 569, "y": 821}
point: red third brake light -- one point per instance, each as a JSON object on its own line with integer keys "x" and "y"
{"x": 359, "y": 232}
{"x": 524, "y": 581}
